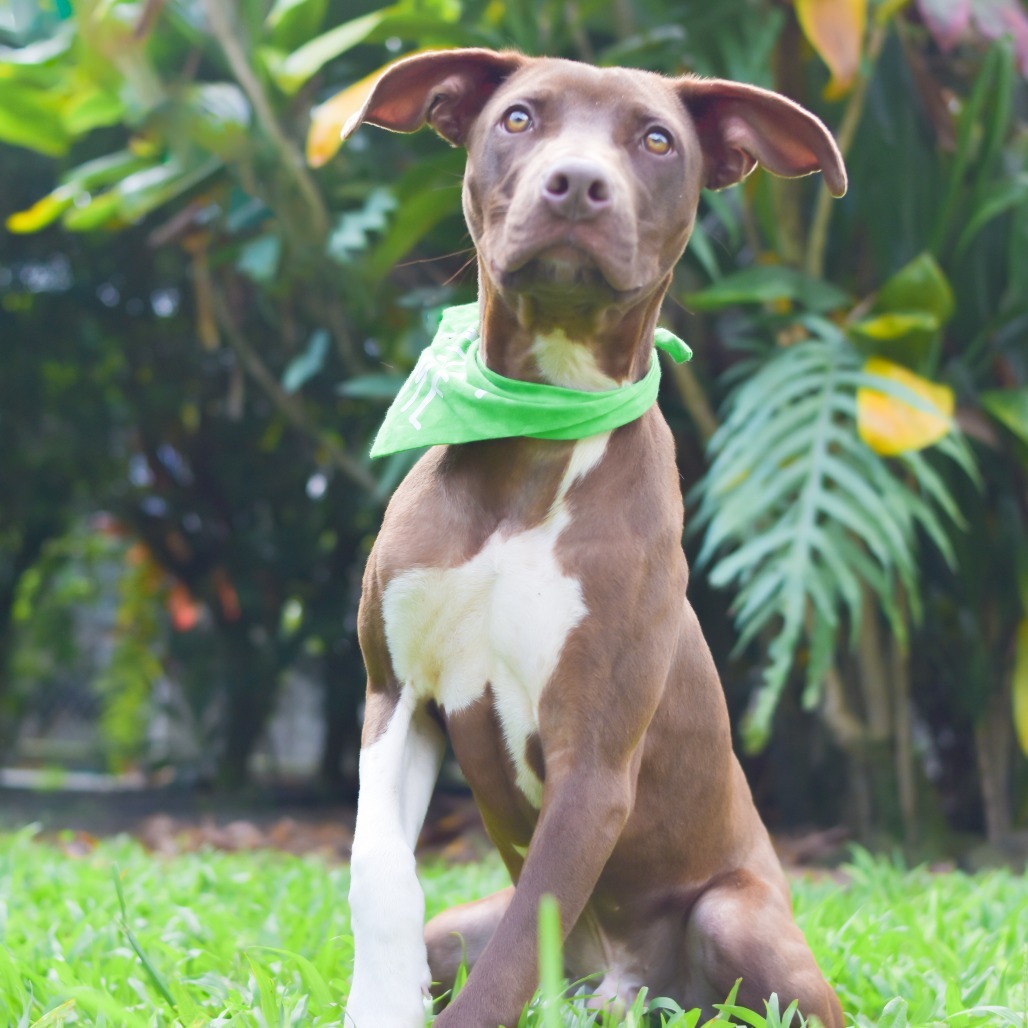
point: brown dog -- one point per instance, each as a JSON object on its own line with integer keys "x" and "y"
{"x": 527, "y": 596}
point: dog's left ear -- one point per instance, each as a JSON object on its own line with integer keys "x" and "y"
{"x": 443, "y": 88}
{"x": 741, "y": 126}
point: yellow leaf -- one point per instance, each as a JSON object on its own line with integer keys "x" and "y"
{"x": 1020, "y": 696}
{"x": 891, "y": 425}
{"x": 45, "y": 210}
{"x": 835, "y": 29}
{"x": 325, "y": 135}
{"x": 329, "y": 119}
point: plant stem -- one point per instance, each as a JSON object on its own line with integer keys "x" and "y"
{"x": 290, "y": 406}
{"x": 906, "y": 771}
{"x": 817, "y": 241}
{"x": 694, "y": 398}
{"x": 219, "y": 18}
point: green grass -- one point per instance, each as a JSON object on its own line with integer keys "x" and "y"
{"x": 120, "y": 937}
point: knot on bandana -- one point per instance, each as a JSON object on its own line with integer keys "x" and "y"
{"x": 452, "y": 397}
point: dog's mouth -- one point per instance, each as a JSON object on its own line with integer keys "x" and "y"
{"x": 565, "y": 268}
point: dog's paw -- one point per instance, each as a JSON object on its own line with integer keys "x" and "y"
{"x": 384, "y": 1009}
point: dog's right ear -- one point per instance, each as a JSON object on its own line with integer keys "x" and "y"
{"x": 443, "y": 88}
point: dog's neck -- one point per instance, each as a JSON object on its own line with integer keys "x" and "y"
{"x": 561, "y": 342}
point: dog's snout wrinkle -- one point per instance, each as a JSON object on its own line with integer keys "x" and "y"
{"x": 577, "y": 189}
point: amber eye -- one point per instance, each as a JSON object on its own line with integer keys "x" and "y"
{"x": 657, "y": 141}
{"x": 516, "y": 120}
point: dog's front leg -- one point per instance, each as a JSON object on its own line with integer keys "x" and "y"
{"x": 583, "y": 814}
{"x": 398, "y": 769}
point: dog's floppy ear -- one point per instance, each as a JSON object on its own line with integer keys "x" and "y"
{"x": 443, "y": 88}
{"x": 740, "y": 126}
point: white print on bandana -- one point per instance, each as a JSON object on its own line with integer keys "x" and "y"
{"x": 439, "y": 366}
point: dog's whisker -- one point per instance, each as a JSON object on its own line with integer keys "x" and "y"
{"x": 437, "y": 257}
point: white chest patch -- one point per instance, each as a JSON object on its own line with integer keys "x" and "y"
{"x": 567, "y": 363}
{"x": 501, "y": 619}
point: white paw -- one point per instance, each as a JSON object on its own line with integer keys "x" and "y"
{"x": 390, "y": 971}
{"x": 384, "y": 1009}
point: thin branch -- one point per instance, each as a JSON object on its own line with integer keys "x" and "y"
{"x": 694, "y": 399}
{"x": 219, "y": 18}
{"x": 290, "y": 406}
{"x": 817, "y": 241}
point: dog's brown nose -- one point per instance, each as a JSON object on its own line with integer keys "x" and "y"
{"x": 577, "y": 189}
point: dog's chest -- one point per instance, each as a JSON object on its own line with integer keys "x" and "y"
{"x": 499, "y": 620}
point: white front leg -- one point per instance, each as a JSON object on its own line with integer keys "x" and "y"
{"x": 387, "y": 907}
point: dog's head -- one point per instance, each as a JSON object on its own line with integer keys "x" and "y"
{"x": 582, "y": 183}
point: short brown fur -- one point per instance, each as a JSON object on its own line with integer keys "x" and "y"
{"x": 647, "y": 834}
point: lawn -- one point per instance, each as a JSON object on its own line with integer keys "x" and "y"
{"x": 116, "y": 937}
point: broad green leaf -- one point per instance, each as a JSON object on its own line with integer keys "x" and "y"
{"x": 420, "y": 214}
{"x": 92, "y": 108}
{"x": 835, "y": 29}
{"x": 41, "y": 52}
{"x": 259, "y": 258}
{"x": 295, "y": 69}
{"x": 701, "y": 248}
{"x": 890, "y": 425}
{"x": 920, "y": 286}
{"x": 303, "y": 368}
{"x": 1004, "y": 197}
{"x": 426, "y": 195}
{"x": 1010, "y": 408}
{"x": 102, "y": 210}
{"x": 768, "y": 284}
{"x": 1017, "y": 286}
{"x": 907, "y": 338}
{"x": 102, "y": 171}
{"x": 31, "y": 118}
{"x": 219, "y": 118}
{"x": 988, "y": 105}
{"x": 372, "y": 387}
{"x": 143, "y": 192}
{"x": 290, "y": 22}
{"x": 45, "y": 210}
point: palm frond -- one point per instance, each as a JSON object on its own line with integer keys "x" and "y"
{"x": 803, "y": 520}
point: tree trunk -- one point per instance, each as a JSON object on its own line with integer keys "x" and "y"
{"x": 252, "y": 677}
{"x": 343, "y": 690}
{"x": 906, "y": 771}
{"x": 992, "y": 739}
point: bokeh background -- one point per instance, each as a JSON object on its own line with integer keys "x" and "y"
{"x": 206, "y": 304}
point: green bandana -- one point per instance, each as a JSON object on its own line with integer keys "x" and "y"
{"x": 452, "y": 397}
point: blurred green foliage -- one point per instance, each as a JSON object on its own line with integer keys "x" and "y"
{"x": 227, "y": 320}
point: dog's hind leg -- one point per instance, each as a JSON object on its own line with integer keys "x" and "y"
{"x": 458, "y": 936}
{"x": 398, "y": 769}
{"x": 742, "y": 927}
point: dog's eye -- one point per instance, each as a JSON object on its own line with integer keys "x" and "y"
{"x": 517, "y": 119}
{"x": 658, "y": 142}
